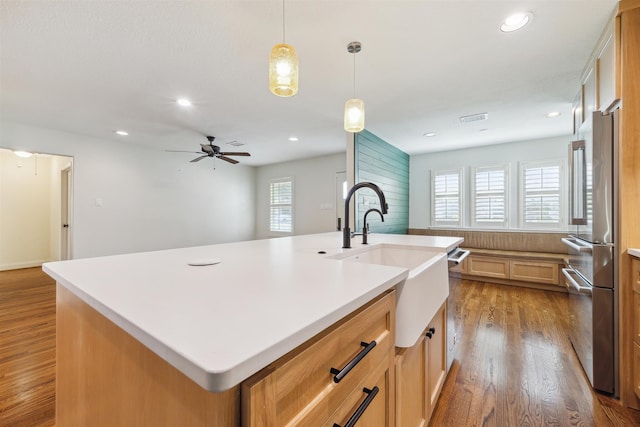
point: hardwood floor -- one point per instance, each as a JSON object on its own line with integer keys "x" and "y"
{"x": 515, "y": 365}
{"x": 27, "y": 348}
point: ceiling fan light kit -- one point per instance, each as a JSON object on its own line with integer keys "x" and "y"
{"x": 283, "y": 67}
{"x": 354, "y": 108}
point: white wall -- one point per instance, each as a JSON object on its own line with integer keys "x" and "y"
{"x": 314, "y": 185}
{"x": 150, "y": 199}
{"x": 511, "y": 153}
{"x": 25, "y": 227}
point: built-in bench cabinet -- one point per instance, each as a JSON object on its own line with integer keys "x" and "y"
{"x": 514, "y": 267}
{"x": 420, "y": 373}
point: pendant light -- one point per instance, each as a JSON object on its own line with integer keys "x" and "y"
{"x": 354, "y": 108}
{"x": 283, "y": 67}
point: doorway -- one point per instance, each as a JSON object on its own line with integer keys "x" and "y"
{"x": 32, "y": 210}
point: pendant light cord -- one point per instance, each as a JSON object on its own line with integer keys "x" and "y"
{"x": 354, "y": 75}
{"x": 283, "y": 39}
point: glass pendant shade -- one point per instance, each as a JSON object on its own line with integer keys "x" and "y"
{"x": 354, "y": 115}
{"x": 283, "y": 70}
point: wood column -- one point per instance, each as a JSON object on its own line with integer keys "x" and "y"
{"x": 629, "y": 183}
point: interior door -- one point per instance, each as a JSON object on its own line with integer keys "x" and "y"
{"x": 65, "y": 213}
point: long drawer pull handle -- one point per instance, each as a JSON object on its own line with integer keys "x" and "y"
{"x": 341, "y": 373}
{"x": 363, "y": 407}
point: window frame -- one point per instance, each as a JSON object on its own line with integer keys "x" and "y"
{"x": 273, "y": 181}
{"x": 504, "y": 223}
{"x": 523, "y": 224}
{"x": 447, "y": 224}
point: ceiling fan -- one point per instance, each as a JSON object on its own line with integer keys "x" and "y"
{"x": 211, "y": 150}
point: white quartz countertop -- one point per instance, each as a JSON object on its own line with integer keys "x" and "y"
{"x": 219, "y": 324}
{"x": 633, "y": 251}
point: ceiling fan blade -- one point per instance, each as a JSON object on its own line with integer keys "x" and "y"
{"x": 197, "y": 159}
{"x": 227, "y": 159}
{"x": 181, "y": 151}
{"x": 234, "y": 153}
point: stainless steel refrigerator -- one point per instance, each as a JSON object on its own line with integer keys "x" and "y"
{"x": 591, "y": 278}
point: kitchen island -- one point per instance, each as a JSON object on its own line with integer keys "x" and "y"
{"x": 184, "y": 337}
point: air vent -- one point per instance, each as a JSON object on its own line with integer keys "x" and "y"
{"x": 474, "y": 118}
{"x": 235, "y": 144}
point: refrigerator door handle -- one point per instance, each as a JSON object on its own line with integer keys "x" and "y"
{"x": 572, "y": 243}
{"x": 577, "y": 183}
{"x": 568, "y": 273}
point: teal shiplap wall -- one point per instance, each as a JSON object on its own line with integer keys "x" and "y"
{"x": 388, "y": 167}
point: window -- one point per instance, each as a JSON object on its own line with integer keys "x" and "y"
{"x": 281, "y": 203}
{"x": 489, "y": 192}
{"x": 541, "y": 195}
{"x": 446, "y": 193}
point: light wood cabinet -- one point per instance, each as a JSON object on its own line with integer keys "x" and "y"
{"x": 420, "y": 374}
{"x": 305, "y": 388}
{"x": 514, "y": 267}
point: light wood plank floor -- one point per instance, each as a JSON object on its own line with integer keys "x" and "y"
{"x": 515, "y": 366}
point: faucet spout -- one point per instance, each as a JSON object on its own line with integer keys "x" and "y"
{"x": 365, "y": 227}
{"x": 346, "y": 232}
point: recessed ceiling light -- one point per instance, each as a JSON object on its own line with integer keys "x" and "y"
{"x": 23, "y": 154}
{"x": 515, "y": 22}
{"x": 293, "y": 139}
{"x": 121, "y": 132}
{"x": 483, "y": 130}
{"x": 429, "y": 134}
{"x": 184, "y": 102}
{"x": 552, "y": 114}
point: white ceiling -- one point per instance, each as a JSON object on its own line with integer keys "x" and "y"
{"x": 92, "y": 67}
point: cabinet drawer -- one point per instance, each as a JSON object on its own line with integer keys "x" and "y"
{"x": 488, "y": 266}
{"x": 380, "y": 410}
{"x": 299, "y": 388}
{"x": 534, "y": 271}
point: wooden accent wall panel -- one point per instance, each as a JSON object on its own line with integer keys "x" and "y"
{"x": 385, "y": 165}
{"x": 502, "y": 240}
{"x": 105, "y": 377}
{"x": 629, "y": 185}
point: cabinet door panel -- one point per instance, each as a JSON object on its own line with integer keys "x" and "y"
{"x": 488, "y": 266}
{"x": 436, "y": 358}
{"x": 411, "y": 378}
{"x": 532, "y": 271}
